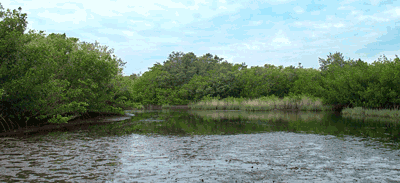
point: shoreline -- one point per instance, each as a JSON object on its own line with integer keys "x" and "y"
{"x": 81, "y": 122}
{"x": 76, "y": 122}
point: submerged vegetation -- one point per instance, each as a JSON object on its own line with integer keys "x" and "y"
{"x": 54, "y": 78}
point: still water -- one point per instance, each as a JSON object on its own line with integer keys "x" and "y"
{"x": 210, "y": 146}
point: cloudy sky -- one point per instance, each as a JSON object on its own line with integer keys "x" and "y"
{"x": 278, "y": 32}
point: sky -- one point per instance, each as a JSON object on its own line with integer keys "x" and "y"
{"x": 277, "y": 32}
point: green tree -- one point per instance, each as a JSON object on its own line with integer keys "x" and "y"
{"x": 308, "y": 83}
{"x": 12, "y": 28}
{"x": 46, "y": 77}
{"x": 383, "y": 83}
{"x": 133, "y": 77}
{"x": 333, "y": 59}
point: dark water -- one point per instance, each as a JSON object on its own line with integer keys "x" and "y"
{"x": 210, "y": 146}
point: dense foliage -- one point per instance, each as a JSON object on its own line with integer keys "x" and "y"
{"x": 186, "y": 78}
{"x": 52, "y": 77}
{"x": 48, "y": 77}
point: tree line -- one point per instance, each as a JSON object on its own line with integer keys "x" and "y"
{"x": 185, "y": 78}
{"x": 51, "y": 78}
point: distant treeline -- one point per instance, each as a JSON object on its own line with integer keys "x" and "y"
{"x": 185, "y": 78}
{"x": 52, "y": 77}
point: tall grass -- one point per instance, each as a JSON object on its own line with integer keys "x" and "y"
{"x": 359, "y": 111}
{"x": 303, "y": 103}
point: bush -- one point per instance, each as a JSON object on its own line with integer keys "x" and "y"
{"x": 47, "y": 77}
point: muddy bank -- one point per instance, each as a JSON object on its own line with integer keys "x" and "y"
{"x": 78, "y": 122}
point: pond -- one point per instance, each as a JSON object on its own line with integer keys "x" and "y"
{"x": 209, "y": 146}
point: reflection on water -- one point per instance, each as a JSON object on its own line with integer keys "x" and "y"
{"x": 209, "y": 146}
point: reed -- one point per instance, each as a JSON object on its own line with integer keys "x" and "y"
{"x": 166, "y": 106}
{"x": 303, "y": 103}
{"x": 359, "y": 111}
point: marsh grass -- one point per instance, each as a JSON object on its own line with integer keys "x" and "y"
{"x": 137, "y": 107}
{"x": 265, "y": 116}
{"x": 166, "y": 106}
{"x": 359, "y": 111}
{"x": 303, "y": 103}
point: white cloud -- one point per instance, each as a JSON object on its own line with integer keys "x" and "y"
{"x": 298, "y": 10}
{"x": 252, "y": 47}
{"x": 276, "y": 2}
{"x": 375, "y": 2}
{"x": 190, "y": 32}
{"x": 372, "y": 17}
{"x": 387, "y": 15}
{"x": 393, "y": 13}
{"x": 355, "y": 12}
{"x": 129, "y": 33}
{"x": 280, "y": 40}
{"x": 315, "y": 12}
{"x": 345, "y": 8}
{"x": 348, "y": 1}
{"x": 169, "y": 25}
{"x": 303, "y": 23}
{"x": 136, "y": 21}
{"x": 228, "y": 58}
{"x": 330, "y": 17}
{"x": 255, "y": 23}
{"x": 319, "y": 25}
{"x": 140, "y": 9}
{"x": 234, "y": 17}
{"x": 238, "y": 47}
{"x": 222, "y": 1}
{"x": 110, "y": 30}
{"x": 338, "y": 25}
{"x": 158, "y": 40}
{"x": 79, "y": 16}
{"x": 91, "y": 17}
{"x": 328, "y": 25}
{"x": 140, "y": 25}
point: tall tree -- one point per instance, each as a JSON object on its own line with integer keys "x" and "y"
{"x": 336, "y": 58}
{"x": 12, "y": 28}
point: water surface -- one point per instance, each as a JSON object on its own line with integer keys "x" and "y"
{"x": 210, "y": 146}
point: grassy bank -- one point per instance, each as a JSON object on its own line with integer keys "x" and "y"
{"x": 384, "y": 113}
{"x": 303, "y": 103}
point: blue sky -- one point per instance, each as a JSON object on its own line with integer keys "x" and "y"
{"x": 279, "y": 32}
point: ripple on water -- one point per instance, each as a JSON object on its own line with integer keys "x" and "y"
{"x": 277, "y": 156}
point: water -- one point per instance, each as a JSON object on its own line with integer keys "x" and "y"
{"x": 209, "y": 146}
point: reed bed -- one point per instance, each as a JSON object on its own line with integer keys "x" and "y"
{"x": 359, "y": 111}
{"x": 165, "y": 106}
{"x": 303, "y": 103}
